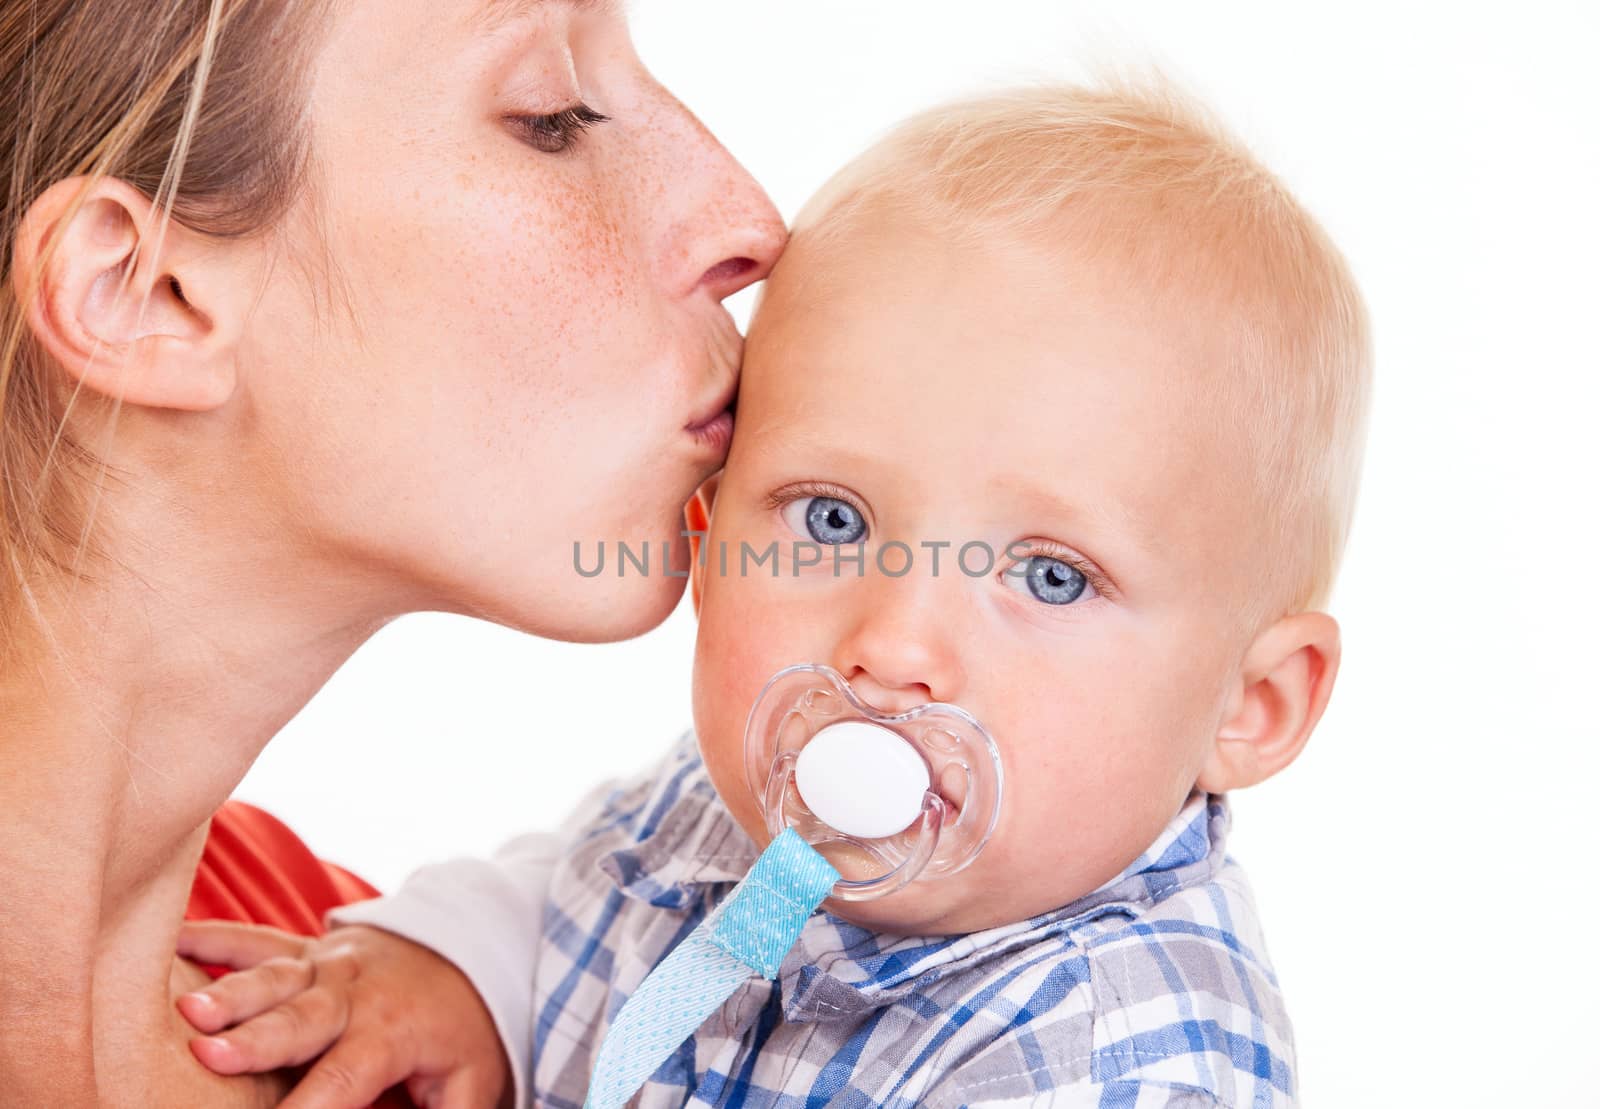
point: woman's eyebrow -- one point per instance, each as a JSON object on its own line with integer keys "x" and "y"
{"x": 495, "y": 14}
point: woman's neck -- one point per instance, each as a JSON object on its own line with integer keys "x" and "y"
{"x": 119, "y": 738}
{"x": 141, "y": 1054}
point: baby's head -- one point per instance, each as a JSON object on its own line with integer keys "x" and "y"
{"x": 1084, "y": 334}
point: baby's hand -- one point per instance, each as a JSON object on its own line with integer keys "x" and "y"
{"x": 378, "y": 1009}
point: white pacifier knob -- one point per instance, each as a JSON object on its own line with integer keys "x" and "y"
{"x": 855, "y": 782}
{"x": 862, "y": 779}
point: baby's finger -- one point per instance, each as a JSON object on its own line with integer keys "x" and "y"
{"x": 467, "y": 1088}
{"x": 354, "y": 1074}
{"x": 227, "y": 943}
{"x": 247, "y": 993}
{"x": 286, "y": 1036}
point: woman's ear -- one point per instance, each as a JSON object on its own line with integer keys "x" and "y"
{"x": 1286, "y": 679}
{"x": 697, "y": 517}
{"x": 131, "y": 310}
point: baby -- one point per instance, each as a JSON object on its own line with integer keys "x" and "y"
{"x": 1053, "y": 410}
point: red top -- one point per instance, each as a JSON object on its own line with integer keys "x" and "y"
{"x": 255, "y": 870}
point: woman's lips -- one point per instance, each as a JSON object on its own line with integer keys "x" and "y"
{"x": 711, "y": 425}
{"x": 715, "y": 428}
{"x": 715, "y": 433}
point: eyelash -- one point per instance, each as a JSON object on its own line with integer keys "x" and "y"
{"x": 801, "y": 490}
{"x": 557, "y": 132}
{"x": 1044, "y": 547}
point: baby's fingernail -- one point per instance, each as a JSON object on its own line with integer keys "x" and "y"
{"x": 200, "y": 1009}
{"x": 217, "y": 1045}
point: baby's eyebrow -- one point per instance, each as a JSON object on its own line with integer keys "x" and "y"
{"x": 1102, "y": 514}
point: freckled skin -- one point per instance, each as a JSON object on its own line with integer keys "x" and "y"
{"x": 956, "y": 377}
{"x": 528, "y": 334}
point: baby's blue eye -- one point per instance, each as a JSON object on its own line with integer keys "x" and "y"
{"x": 828, "y": 520}
{"x": 1049, "y": 580}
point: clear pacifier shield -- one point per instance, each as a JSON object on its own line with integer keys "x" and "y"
{"x": 887, "y": 798}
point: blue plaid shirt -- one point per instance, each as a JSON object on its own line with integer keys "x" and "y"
{"x": 1154, "y": 990}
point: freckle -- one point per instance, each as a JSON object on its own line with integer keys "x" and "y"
{"x": 464, "y": 180}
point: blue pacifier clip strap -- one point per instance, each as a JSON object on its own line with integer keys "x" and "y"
{"x": 752, "y": 930}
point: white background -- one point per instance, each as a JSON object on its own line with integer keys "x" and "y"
{"x": 1426, "y": 870}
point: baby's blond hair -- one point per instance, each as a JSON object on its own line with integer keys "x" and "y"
{"x": 1135, "y": 172}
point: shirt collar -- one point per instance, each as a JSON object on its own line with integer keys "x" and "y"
{"x": 838, "y": 968}
{"x": 685, "y": 839}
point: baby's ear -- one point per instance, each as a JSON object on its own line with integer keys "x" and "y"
{"x": 697, "y": 516}
{"x": 1285, "y": 682}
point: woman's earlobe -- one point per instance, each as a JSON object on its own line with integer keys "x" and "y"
{"x": 1285, "y": 682}
{"x": 109, "y": 293}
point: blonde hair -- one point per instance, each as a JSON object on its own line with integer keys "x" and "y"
{"x": 196, "y": 103}
{"x": 1135, "y": 171}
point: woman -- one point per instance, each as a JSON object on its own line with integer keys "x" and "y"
{"x": 438, "y": 295}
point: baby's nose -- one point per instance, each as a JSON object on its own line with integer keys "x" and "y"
{"x": 888, "y": 699}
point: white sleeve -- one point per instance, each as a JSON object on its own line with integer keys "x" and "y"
{"x": 486, "y": 917}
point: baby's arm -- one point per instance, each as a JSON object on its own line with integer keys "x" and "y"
{"x": 388, "y": 994}
{"x": 486, "y": 917}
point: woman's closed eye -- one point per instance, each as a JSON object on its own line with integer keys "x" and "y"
{"x": 558, "y": 131}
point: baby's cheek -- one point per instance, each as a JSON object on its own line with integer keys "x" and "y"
{"x": 750, "y": 628}
{"x": 730, "y": 670}
{"x": 1081, "y": 803}
{"x": 732, "y": 651}
{"x": 756, "y": 627}
{"x": 1055, "y": 854}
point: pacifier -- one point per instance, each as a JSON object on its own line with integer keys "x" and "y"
{"x": 860, "y": 803}
{"x": 886, "y": 798}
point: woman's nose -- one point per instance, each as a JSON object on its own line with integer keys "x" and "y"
{"x": 723, "y": 232}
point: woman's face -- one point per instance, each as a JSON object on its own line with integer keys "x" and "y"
{"x": 508, "y": 322}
